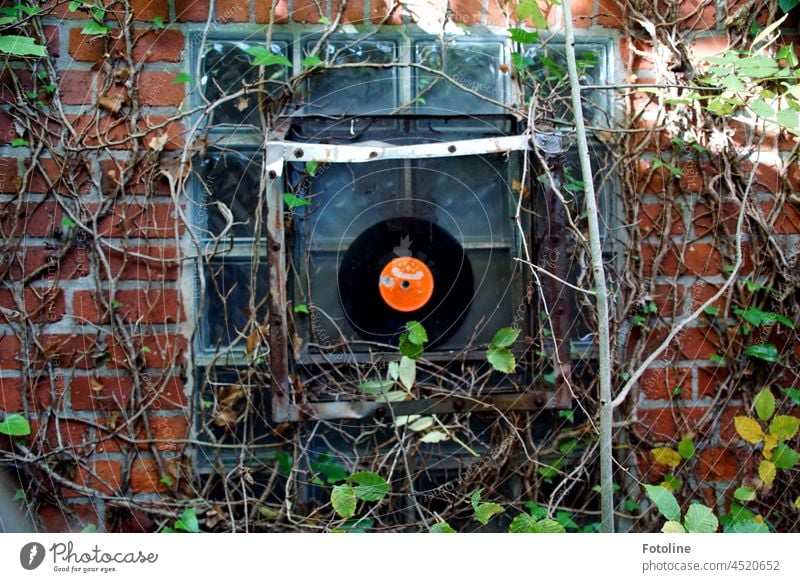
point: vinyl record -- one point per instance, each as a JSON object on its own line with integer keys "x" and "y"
{"x": 405, "y": 269}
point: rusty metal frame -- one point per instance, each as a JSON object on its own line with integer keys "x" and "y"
{"x": 287, "y": 404}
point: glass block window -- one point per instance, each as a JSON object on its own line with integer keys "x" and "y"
{"x": 228, "y": 69}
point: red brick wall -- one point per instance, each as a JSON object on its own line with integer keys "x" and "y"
{"x": 71, "y": 320}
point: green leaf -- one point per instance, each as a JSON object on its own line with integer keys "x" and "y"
{"x": 311, "y": 61}
{"x": 416, "y": 333}
{"x": 268, "y": 513}
{"x": 301, "y": 308}
{"x": 784, "y": 427}
{"x": 505, "y": 337}
{"x": 765, "y": 404}
{"x": 434, "y": 436}
{"x": 665, "y": 502}
{"x": 530, "y": 9}
{"x": 523, "y": 36}
{"x": 18, "y": 142}
{"x": 748, "y": 429}
{"x": 285, "y": 462}
{"x": 343, "y": 498}
{"x": 89, "y": 528}
{"x": 311, "y": 168}
{"x": 749, "y": 527}
{"x": 324, "y": 21}
{"x": 700, "y": 519}
{"x": 167, "y": 480}
{"x": 21, "y": 46}
{"x": 565, "y": 519}
{"x": 93, "y": 28}
{"x": 787, "y": 118}
{"x": 762, "y": 109}
{"x": 672, "y": 527}
{"x": 744, "y": 494}
{"x": 767, "y": 472}
{"x": 485, "y": 511}
{"x": 501, "y": 359}
{"x": 766, "y": 352}
{"x": 686, "y": 448}
{"x": 421, "y": 424}
{"x": 666, "y": 456}
{"x": 293, "y": 201}
{"x": 328, "y": 466}
{"x": 784, "y": 457}
{"x": 787, "y": 5}
{"x": 370, "y": 486}
{"x": 376, "y": 386}
{"x": 188, "y": 522}
{"x": 15, "y": 425}
{"x": 158, "y": 22}
{"x": 408, "y": 372}
{"x": 19, "y": 495}
{"x": 182, "y": 78}
{"x": 263, "y": 57}
{"x": 442, "y": 527}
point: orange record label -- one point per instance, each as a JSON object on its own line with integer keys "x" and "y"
{"x": 406, "y": 284}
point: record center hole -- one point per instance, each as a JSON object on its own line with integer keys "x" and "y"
{"x": 405, "y": 285}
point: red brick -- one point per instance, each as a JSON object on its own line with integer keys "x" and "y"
{"x": 707, "y": 220}
{"x": 582, "y": 12}
{"x": 55, "y": 519}
{"x": 162, "y": 45}
{"x": 47, "y": 266}
{"x": 76, "y": 87}
{"x": 651, "y": 181}
{"x": 636, "y": 54}
{"x": 722, "y": 464}
{"x": 150, "y": 9}
{"x": 308, "y": 11}
{"x": 659, "y": 383}
{"x": 65, "y": 351}
{"x": 668, "y": 299}
{"x": 52, "y": 37}
{"x": 166, "y": 393}
{"x": 702, "y": 293}
{"x": 137, "y": 306}
{"x": 11, "y": 394}
{"x": 709, "y": 46}
{"x": 136, "y": 182}
{"x": 668, "y": 424}
{"x": 655, "y": 217}
{"x": 727, "y": 428}
{"x": 191, "y": 10}
{"x": 141, "y": 220}
{"x": 174, "y": 131}
{"x": 697, "y": 343}
{"x": 9, "y": 176}
{"x": 262, "y": 8}
{"x": 83, "y": 47}
{"x": 649, "y": 470}
{"x": 157, "y": 89}
{"x": 34, "y": 219}
{"x": 66, "y": 434}
{"x": 612, "y": 13}
{"x": 45, "y": 304}
{"x": 699, "y": 259}
{"x": 145, "y": 477}
{"x": 767, "y": 178}
{"x": 787, "y": 221}
{"x": 7, "y": 130}
{"x": 54, "y": 174}
{"x": 708, "y": 380}
{"x": 166, "y": 430}
{"x": 697, "y": 14}
{"x": 233, "y": 10}
{"x": 104, "y": 477}
{"x": 161, "y": 264}
{"x": 100, "y": 392}
{"x": 162, "y": 351}
{"x": 9, "y": 351}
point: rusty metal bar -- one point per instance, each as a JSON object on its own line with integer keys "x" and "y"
{"x": 550, "y": 234}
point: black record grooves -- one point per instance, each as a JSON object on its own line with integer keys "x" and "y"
{"x": 361, "y": 267}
